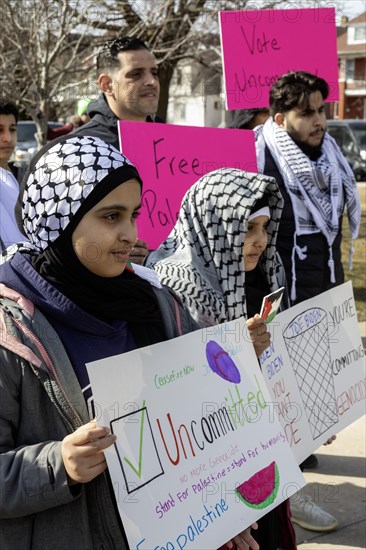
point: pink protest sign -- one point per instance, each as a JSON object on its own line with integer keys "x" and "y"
{"x": 258, "y": 46}
{"x": 171, "y": 158}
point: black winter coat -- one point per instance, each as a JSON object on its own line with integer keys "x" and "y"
{"x": 103, "y": 123}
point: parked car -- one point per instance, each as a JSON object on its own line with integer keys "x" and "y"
{"x": 26, "y": 145}
{"x": 358, "y": 127}
{"x": 350, "y": 136}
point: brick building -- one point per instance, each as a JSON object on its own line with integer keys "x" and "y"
{"x": 351, "y": 45}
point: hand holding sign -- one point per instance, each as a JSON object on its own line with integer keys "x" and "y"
{"x": 244, "y": 540}
{"x": 259, "y": 334}
{"x": 82, "y": 452}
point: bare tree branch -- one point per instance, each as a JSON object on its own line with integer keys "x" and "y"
{"x": 44, "y": 49}
{"x": 47, "y": 46}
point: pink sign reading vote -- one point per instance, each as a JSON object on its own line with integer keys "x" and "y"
{"x": 258, "y": 46}
{"x": 171, "y": 158}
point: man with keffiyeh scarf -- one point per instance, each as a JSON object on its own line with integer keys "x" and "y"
{"x": 315, "y": 181}
{"x": 317, "y": 185}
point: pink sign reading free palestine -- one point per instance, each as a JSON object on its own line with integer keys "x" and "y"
{"x": 258, "y": 46}
{"x": 171, "y": 158}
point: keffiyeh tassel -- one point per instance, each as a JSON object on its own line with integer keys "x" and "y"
{"x": 301, "y": 252}
{"x": 350, "y": 255}
{"x": 331, "y": 265}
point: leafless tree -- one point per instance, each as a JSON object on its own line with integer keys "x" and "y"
{"x": 44, "y": 48}
{"x": 180, "y": 29}
{"x": 173, "y": 29}
{"x": 47, "y": 45}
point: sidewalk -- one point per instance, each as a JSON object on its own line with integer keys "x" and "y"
{"x": 338, "y": 485}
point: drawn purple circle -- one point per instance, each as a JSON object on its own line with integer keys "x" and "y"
{"x": 221, "y": 363}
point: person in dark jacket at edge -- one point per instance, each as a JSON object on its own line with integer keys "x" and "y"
{"x": 317, "y": 185}
{"x": 128, "y": 79}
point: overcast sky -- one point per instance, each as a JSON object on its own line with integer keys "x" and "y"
{"x": 352, "y": 8}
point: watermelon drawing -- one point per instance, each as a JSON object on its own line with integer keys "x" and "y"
{"x": 260, "y": 490}
{"x": 221, "y": 362}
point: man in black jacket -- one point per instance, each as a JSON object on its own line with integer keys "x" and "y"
{"x": 128, "y": 78}
{"x": 316, "y": 183}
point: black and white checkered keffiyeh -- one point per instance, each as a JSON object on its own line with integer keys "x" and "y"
{"x": 319, "y": 190}
{"x": 57, "y": 183}
{"x": 202, "y": 259}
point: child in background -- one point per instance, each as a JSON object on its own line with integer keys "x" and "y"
{"x": 10, "y": 173}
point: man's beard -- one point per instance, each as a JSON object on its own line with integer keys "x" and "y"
{"x": 311, "y": 151}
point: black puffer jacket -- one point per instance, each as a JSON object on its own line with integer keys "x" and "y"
{"x": 312, "y": 273}
{"x": 103, "y": 123}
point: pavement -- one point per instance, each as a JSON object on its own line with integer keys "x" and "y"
{"x": 338, "y": 485}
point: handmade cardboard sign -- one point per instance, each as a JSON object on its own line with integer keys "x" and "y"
{"x": 258, "y": 46}
{"x": 315, "y": 369}
{"x": 171, "y": 158}
{"x": 199, "y": 453}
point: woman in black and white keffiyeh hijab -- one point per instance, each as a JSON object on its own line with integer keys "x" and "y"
{"x": 202, "y": 259}
{"x": 69, "y": 297}
{"x": 208, "y": 263}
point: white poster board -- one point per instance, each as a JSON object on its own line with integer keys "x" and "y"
{"x": 199, "y": 454}
{"x": 315, "y": 369}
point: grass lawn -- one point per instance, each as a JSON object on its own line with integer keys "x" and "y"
{"x": 358, "y": 274}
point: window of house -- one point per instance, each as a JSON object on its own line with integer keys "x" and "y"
{"x": 180, "y": 111}
{"x": 360, "y": 34}
{"x": 356, "y": 35}
{"x": 350, "y": 69}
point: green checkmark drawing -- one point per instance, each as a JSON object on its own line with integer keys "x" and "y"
{"x": 139, "y": 470}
